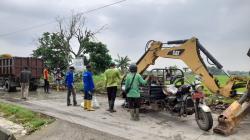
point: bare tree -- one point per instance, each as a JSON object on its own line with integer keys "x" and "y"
{"x": 75, "y": 28}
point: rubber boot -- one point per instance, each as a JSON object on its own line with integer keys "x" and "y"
{"x": 112, "y": 104}
{"x": 85, "y": 105}
{"x": 137, "y": 118}
{"x": 132, "y": 114}
{"x": 109, "y": 106}
{"x": 89, "y": 106}
{"x": 68, "y": 102}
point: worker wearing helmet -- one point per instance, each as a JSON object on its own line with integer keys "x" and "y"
{"x": 89, "y": 87}
{"x": 112, "y": 80}
{"x": 69, "y": 80}
{"x": 134, "y": 80}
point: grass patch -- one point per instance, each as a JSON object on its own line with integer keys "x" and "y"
{"x": 214, "y": 98}
{"x": 222, "y": 79}
{"x": 99, "y": 85}
{"x": 30, "y": 120}
{"x": 98, "y": 81}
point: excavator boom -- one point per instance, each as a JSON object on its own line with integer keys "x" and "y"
{"x": 189, "y": 52}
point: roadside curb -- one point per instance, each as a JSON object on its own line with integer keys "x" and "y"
{"x": 6, "y": 134}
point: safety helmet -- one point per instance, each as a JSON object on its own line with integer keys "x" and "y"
{"x": 88, "y": 66}
{"x": 133, "y": 67}
{"x": 112, "y": 64}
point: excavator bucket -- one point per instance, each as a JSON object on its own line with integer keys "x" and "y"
{"x": 226, "y": 122}
{"x": 226, "y": 125}
{"x": 233, "y": 115}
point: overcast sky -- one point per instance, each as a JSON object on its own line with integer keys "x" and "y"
{"x": 222, "y": 26}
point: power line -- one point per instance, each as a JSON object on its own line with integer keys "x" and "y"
{"x": 26, "y": 29}
{"x": 44, "y": 24}
{"x": 92, "y": 10}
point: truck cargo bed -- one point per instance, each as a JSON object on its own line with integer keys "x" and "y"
{"x": 10, "y": 70}
{"x": 13, "y": 66}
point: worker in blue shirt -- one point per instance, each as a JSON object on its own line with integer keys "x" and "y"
{"x": 69, "y": 80}
{"x": 89, "y": 87}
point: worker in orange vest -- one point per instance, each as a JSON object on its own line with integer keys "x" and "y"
{"x": 46, "y": 79}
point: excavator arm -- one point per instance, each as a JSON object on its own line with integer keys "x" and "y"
{"x": 189, "y": 52}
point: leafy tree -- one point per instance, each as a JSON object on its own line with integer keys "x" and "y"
{"x": 99, "y": 57}
{"x": 122, "y": 62}
{"x": 49, "y": 50}
{"x": 240, "y": 73}
{"x": 215, "y": 71}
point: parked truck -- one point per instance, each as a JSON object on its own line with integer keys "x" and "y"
{"x": 10, "y": 70}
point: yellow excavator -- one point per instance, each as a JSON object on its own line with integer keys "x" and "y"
{"x": 189, "y": 51}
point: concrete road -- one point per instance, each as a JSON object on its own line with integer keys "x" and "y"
{"x": 64, "y": 130}
{"x": 153, "y": 125}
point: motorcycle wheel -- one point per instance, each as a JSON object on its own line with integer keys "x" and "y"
{"x": 205, "y": 120}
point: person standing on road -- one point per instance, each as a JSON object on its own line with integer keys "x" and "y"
{"x": 25, "y": 82}
{"x": 89, "y": 87}
{"x": 58, "y": 78}
{"x": 69, "y": 80}
{"x": 133, "y": 81}
{"x": 112, "y": 79}
{"x": 46, "y": 79}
